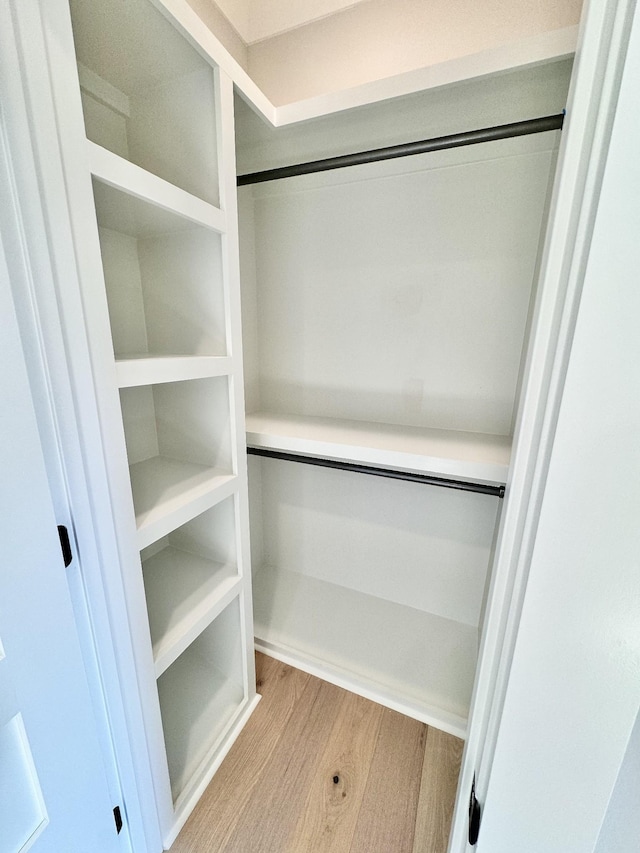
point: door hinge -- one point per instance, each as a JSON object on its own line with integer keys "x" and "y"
{"x": 117, "y": 816}
{"x": 475, "y": 814}
{"x": 65, "y": 544}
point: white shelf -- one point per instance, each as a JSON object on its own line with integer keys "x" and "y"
{"x": 115, "y": 171}
{"x": 185, "y": 592}
{"x": 465, "y": 455}
{"x": 415, "y": 662}
{"x": 142, "y": 369}
{"x": 200, "y": 694}
{"x": 167, "y": 493}
{"x": 535, "y": 50}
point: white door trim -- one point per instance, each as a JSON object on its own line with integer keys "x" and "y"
{"x": 53, "y": 329}
{"x": 590, "y": 109}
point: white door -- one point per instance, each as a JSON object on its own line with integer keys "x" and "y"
{"x": 53, "y": 790}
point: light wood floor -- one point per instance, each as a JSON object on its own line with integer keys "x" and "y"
{"x": 320, "y": 770}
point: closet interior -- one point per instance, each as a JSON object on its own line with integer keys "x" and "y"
{"x": 383, "y": 329}
{"x": 386, "y": 309}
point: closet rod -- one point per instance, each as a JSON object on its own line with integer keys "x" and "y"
{"x": 454, "y": 140}
{"x": 426, "y": 479}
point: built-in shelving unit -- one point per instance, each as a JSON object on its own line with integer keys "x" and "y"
{"x": 158, "y": 120}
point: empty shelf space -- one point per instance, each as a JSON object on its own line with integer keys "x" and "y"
{"x": 163, "y": 278}
{"x": 413, "y": 661}
{"x": 167, "y": 492}
{"x": 190, "y": 576}
{"x": 179, "y": 450}
{"x": 146, "y": 370}
{"x": 147, "y": 94}
{"x": 443, "y": 453}
{"x": 184, "y": 593}
{"x": 201, "y": 694}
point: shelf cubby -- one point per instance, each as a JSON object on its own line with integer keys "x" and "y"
{"x": 200, "y": 695}
{"x": 163, "y": 277}
{"x": 147, "y": 94}
{"x": 189, "y": 577}
{"x": 179, "y": 451}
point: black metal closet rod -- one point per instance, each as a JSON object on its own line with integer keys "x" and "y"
{"x": 425, "y": 479}
{"x": 454, "y": 140}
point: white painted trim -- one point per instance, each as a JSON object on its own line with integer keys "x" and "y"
{"x": 68, "y": 383}
{"x": 74, "y": 241}
{"x": 582, "y": 155}
{"x": 446, "y": 722}
{"x": 231, "y": 275}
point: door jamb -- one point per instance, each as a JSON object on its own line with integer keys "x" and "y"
{"x": 591, "y": 106}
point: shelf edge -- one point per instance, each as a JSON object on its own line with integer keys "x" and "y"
{"x": 154, "y": 370}
{"x": 492, "y": 473}
{"x": 138, "y": 182}
{"x": 169, "y": 650}
{"x": 201, "y": 499}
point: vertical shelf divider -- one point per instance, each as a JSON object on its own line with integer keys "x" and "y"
{"x": 231, "y": 277}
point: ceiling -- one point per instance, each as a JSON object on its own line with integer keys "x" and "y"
{"x": 255, "y": 20}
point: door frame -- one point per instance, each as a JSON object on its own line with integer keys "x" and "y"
{"x": 52, "y": 326}
{"x": 591, "y": 105}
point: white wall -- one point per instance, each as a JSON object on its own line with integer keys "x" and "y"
{"x": 574, "y": 687}
{"x": 381, "y": 38}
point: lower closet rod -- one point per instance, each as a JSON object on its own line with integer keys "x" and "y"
{"x": 407, "y": 149}
{"x": 427, "y": 479}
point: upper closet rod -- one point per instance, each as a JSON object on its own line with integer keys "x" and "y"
{"x": 454, "y": 140}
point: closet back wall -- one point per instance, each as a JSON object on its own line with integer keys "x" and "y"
{"x": 379, "y": 302}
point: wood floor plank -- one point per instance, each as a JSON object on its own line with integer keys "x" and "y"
{"x": 440, "y": 770}
{"x": 270, "y": 815}
{"x": 274, "y": 793}
{"x": 387, "y": 817}
{"x": 221, "y": 806}
{"x": 330, "y": 813}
